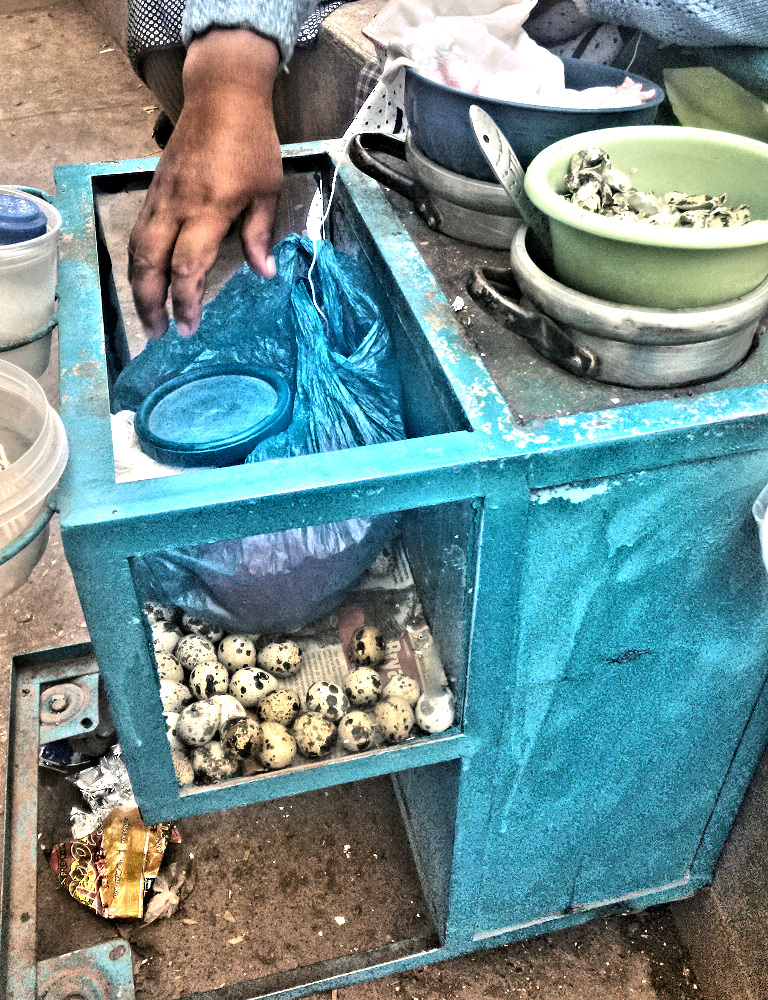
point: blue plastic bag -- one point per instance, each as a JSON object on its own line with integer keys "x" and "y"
{"x": 347, "y": 394}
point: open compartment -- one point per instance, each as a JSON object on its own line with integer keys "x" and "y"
{"x": 430, "y": 482}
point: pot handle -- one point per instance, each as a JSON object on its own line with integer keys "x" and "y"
{"x": 360, "y": 148}
{"x": 492, "y": 287}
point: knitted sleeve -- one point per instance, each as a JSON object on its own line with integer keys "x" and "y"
{"x": 279, "y": 20}
{"x": 688, "y": 22}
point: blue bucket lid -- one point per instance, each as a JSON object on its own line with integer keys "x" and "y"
{"x": 20, "y": 219}
{"x": 213, "y": 416}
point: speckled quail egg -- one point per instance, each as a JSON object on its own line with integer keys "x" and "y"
{"x": 315, "y": 735}
{"x": 241, "y": 737}
{"x": 362, "y": 687}
{"x": 161, "y": 612}
{"x": 278, "y": 747}
{"x": 281, "y": 658}
{"x": 403, "y": 687}
{"x": 208, "y": 679}
{"x": 171, "y": 718}
{"x": 249, "y": 685}
{"x": 174, "y": 696}
{"x": 194, "y": 649}
{"x": 212, "y": 763}
{"x": 395, "y": 719}
{"x": 236, "y": 651}
{"x": 196, "y": 626}
{"x": 328, "y": 699}
{"x": 169, "y": 668}
{"x": 435, "y": 712}
{"x": 165, "y": 637}
{"x": 198, "y": 723}
{"x": 229, "y": 708}
{"x": 281, "y": 706}
{"x": 366, "y": 647}
{"x": 185, "y": 773}
{"x": 356, "y": 732}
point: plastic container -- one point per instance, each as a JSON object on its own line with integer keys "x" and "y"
{"x": 33, "y": 439}
{"x": 438, "y": 117}
{"x": 653, "y": 266}
{"x": 27, "y": 280}
{"x": 213, "y": 416}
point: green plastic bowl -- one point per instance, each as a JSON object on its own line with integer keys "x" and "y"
{"x": 647, "y": 265}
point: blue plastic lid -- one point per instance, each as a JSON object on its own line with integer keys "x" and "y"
{"x": 20, "y": 219}
{"x": 213, "y": 416}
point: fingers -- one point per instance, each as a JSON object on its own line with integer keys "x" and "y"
{"x": 150, "y": 250}
{"x": 256, "y": 234}
{"x": 193, "y": 257}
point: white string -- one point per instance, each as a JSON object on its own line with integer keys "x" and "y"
{"x": 634, "y": 54}
{"x": 321, "y": 227}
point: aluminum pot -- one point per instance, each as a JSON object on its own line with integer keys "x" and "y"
{"x": 476, "y": 212}
{"x": 623, "y": 345}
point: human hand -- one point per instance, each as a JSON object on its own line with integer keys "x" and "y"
{"x": 221, "y": 163}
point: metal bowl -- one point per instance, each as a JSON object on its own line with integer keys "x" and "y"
{"x": 622, "y": 345}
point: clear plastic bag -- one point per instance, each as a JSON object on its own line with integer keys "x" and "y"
{"x": 347, "y": 394}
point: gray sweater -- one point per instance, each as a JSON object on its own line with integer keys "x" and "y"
{"x": 161, "y": 24}
{"x": 279, "y": 20}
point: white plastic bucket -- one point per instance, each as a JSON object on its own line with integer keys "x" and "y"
{"x": 28, "y": 290}
{"x": 33, "y": 439}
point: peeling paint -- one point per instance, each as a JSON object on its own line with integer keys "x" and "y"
{"x": 574, "y": 494}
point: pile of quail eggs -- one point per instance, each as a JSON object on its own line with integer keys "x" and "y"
{"x": 227, "y": 714}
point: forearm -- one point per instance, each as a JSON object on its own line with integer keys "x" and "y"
{"x": 687, "y": 22}
{"x": 278, "y": 20}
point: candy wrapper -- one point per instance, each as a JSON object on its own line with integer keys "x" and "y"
{"x": 103, "y": 787}
{"x": 111, "y": 868}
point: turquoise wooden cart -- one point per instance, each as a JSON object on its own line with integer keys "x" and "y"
{"x": 587, "y": 560}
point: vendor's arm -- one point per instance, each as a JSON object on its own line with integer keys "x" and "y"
{"x": 687, "y": 22}
{"x": 222, "y": 161}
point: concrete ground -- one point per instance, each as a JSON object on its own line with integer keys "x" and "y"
{"x": 68, "y": 95}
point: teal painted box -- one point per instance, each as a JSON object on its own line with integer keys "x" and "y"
{"x": 603, "y": 621}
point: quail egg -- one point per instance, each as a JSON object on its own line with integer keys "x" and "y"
{"x": 281, "y": 706}
{"x": 174, "y": 696}
{"x": 403, "y": 687}
{"x": 212, "y": 763}
{"x": 165, "y": 637}
{"x": 185, "y": 773}
{"x": 198, "y": 723}
{"x": 366, "y": 647}
{"x": 356, "y": 732}
{"x": 229, "y": 708}
{"x": 236, "y": 651}
{"x": 435, "y": 712}
{"x": 395, "y": 719}
{"x": 328, "y": 699}
{"x": 208, "y": 679}
{"x": 315, "y": 735}
{"x": 171, "y": 718}
{"x": 281, "y": 658}
{"x": 196, "y": 626}
{"x": 194, "y": 649}
{"x": 278, "y": 747}
{"x": 241, "y": 737}
{"x": 169, "y": 668}
{"x": 362, "y": 687}
{"x": 249, "y": 685}
{"x": 160, "y": 612}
